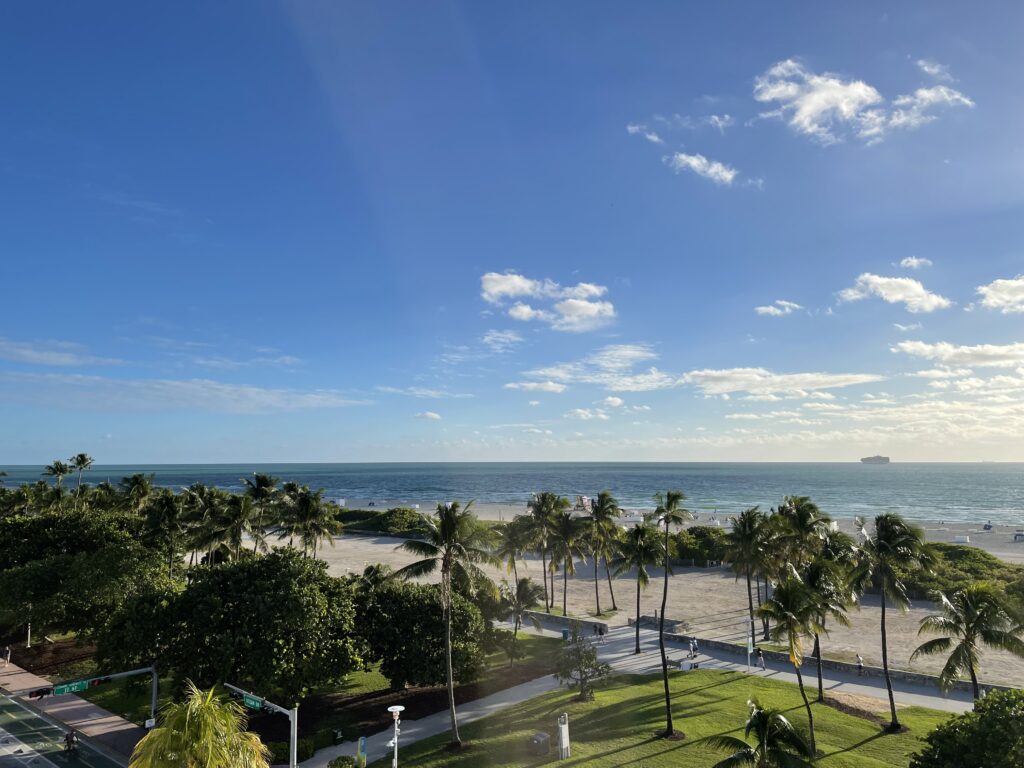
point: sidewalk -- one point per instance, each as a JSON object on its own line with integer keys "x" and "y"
{"x": 114, "y": 733}
{"x": 618, "y": 650}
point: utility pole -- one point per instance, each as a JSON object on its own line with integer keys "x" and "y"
{"x": 252, "y": 701}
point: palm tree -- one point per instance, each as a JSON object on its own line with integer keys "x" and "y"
{"x": 802, "y": 529}
{"x": 566, "y": 541}
{"x": 455, "y": 544}
{"x": 164, "y": 526}
{"x": 58, "y": 470}
{"x": 136, "y": 491}
{"x": 239, "y": 517}
{"x": 894, "y": 545}
{"x": 975, "y": 615}
{"x": 202, "y": 732}
{"x": 795, "y": 612}
{"x": 743, "y": 552}
{"x": 262, "y": 489}
{"x": 317, "y": 521}
{"x": 80, "y": 462}
{"x": 543, "y": 508}
{"x": 524, "y": 597}
{"x": 670, "y": 512}
{"x": 604, "y": 533}
{"x": 639, "y": 548}
{"x": 513, "y": 540}
{"x": 830, "y": 589}
{"x": 777, "y": 743}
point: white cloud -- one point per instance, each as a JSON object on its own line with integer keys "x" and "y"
{"x": 635, "y": 129}
{"x": 429, "y": 416}
{"x": 1006, "y": 295}
{"x": 611, "y": 367}
{"x": 533, "y": 402}
{"x": 827, "y": 107}
{"x": 55, "y": 353}
{"x": 759, "y": 381}
{"x": 720, "y": 122}
{"x": 778, "y": 308}
{"x": 587, "y": 414}
{"x": 108, "y": 394}
{"x": 941, "y": 373}
{"x": 969, "y": 356}
{"x": 575, "y": 308}
{"x": 537, "y": 386}
{"x": 227, "y": 363}
{"x": 425, "y": 392}
{"x": 709, "y": 169}
{"x": 915, "y": 262}
{"x": 501, "y": 341}
{"x": 932, "y": 68}
{"x": 895, "y": 290}
{"x": 612, "y": 402}
{"x": 907, "y": 327}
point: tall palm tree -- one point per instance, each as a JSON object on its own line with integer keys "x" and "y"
{"x": 164, "y": 525}
{"x": 201, "y": 732}
{"x": 893, "y": 545}
{"x": 670, "y": 512}
{"x": 238, "y": 518}
{"x": 523, "y": 597}
{"x": 974, "y": 616}
{"x": 604, "y": 534}
{"x": 58, "y": 470}
{"x": 640, "y": 547}
{"x": 567, "y": 539}
{"x": 777, "y": 744}
{"x": 543, "y": 508}
{"x": 743, "y": 552}
{"x": 803, "y": 527}
{"x": 795, "y": 612}
{"x": 456, "y": 545}
{"x": 262, "y": 489}
{"x": 311, "y": 520}
{"x": 513, "y": 540}
{"x": 80, "y": 462}
{"x": 136, "y": 490}
{"x": 829, "y": 586}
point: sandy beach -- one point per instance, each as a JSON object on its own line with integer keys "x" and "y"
{"x": 713, "y": 603}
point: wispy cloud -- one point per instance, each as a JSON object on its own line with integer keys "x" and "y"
{"x": 778, "y": 308}
{"x": 228, "y": 363}
{"x": 109, "y": 394}
{"x": 1005, "y": 295}
{"x": 612, "y": 367}
{"x": 429, "y": 416}
{"x": 760, "y": 381}
{"x": 587, "y": 414}
{"x": 828, "y": 108}
{"x": 537, "y": 386}
{"x": 500, "y": 342}
{"x": 700, "y": 165}
{"x": 968, "y": 356}
{"x": 424, "y": 392}
{"x": 907, "y": 327}
{"x": 635, "y": 129}
{"x": 895, "y": 290}
{"x": 50, "y": 353}
{"x": 932, "y": 68}
{"x": 915, "y": 262}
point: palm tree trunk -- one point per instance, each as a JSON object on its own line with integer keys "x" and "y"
{"x": 974, "y": 682}
{"x": 456, "y": 741}
{"x": 637, "y": 615}
{"x": 750, "y": 603}
{"x": 611, "y": 591}
{"x": 669, "y": 731}
{"x": 764, "y": 619}
{"x": 597, "y": 591}
{"x": 78, "y": 489}
{"x": 544, "y": 568}
{"x": 807, "y": 706}
{"x": 894, "y": 725}
{"x": 565, "y": 585}
{"x": 817, "y": 658}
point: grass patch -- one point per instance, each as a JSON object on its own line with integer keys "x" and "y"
{"x": 619, "y": 728}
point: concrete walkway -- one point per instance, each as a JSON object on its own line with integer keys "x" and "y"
{"x": 618, "y": 649}
{"x": 113, "y": 735}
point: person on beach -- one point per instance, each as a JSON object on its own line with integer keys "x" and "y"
{"x": 860, "y": 664}
{"x": 7, "y": 655}
{"x": 760, "y": 659}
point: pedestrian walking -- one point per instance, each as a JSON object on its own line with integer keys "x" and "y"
{"x": 696, "y": 648}
{"x": 760, "y": 659}
{"x": 600, "y": 634}
{"x": 860, "y": 664}
{"x": 691, "y": 648}
{"x": 7, "y": 655}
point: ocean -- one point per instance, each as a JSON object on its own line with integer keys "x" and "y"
{"x": 932, "y": 492}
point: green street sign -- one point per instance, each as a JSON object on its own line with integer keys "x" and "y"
{"x": 75, "y": 687}
{"x": 252, "y": 702}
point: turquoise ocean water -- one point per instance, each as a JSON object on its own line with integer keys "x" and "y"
{"x": 949, "y": 492}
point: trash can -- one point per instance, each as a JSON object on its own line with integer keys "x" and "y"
{"x": 565, "y": 635}
{"x": 540, "y": 743}
{"x": 339, "y": 737}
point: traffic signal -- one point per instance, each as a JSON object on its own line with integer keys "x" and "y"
{"x": 98, "y": 681}
{"x": 38, "y": 693}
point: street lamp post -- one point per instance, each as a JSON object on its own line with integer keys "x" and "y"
{"x": 396, "y": 713}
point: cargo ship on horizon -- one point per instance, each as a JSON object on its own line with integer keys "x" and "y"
{"x": 875, "y": 460}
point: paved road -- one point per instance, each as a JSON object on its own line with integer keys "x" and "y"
{"x": 618, "y": 650}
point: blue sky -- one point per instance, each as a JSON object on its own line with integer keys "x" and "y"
{"x": 328, "y": 231}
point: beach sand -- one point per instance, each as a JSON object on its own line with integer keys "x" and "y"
{"x": 713, "y": 602}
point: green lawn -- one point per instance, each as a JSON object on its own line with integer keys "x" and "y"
{"x": 619, "y": 728}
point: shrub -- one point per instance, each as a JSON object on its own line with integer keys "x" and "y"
{"x": 989, "y": 737}
{"x": 700, "y": 543}
{"x": 278, "y": 752}
{"x": 342, "y": 761}
{"x": 956, "y": 566}
{"x": 402, "y": 520}
{"x": 305, "y": 749}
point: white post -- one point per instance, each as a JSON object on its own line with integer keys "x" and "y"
{"x": 396, "y": 713}
{"x": 293, "y": 747}
{"x": 29, "y": 643}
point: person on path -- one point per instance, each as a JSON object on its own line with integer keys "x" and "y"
{"x": 696, "y": 648}
{"x": 600, "y": 634}
{"x": 860, "y": 664}
{"x": 691, "y": 647}
{"x": 7, "y": 655}
{"x": 760, "y": 659}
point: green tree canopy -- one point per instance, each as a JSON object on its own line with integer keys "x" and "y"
{"x": 989, "y": 737}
